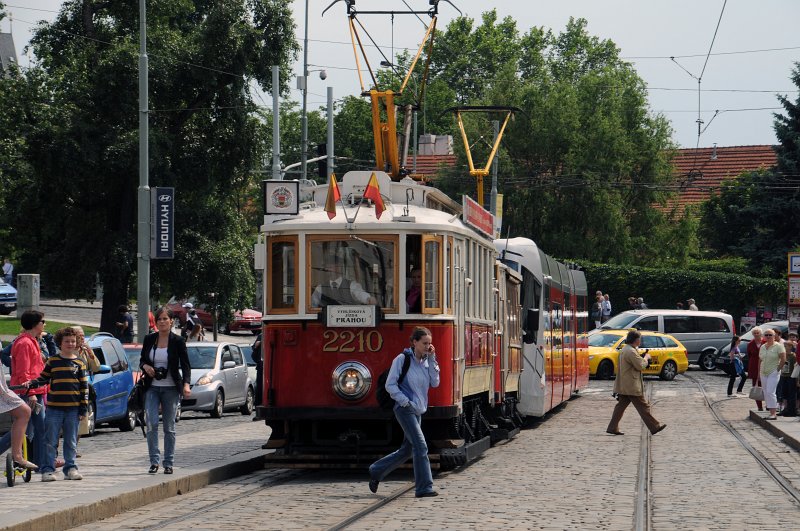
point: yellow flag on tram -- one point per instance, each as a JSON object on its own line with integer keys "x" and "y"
{"x": 333, "y": 196}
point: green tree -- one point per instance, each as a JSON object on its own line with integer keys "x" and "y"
{"x": 756, "y": 215}
{"x": 79, "y": 136}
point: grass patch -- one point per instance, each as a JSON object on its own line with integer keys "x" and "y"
{"x": 9, "y": 326}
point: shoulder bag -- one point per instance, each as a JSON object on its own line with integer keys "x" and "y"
{"x": 756, "y": 393}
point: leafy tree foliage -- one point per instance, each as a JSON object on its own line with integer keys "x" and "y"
{"x": 756, "y": 215}
{"x": 77, "y": 141}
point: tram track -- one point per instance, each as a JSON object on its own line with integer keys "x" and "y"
{"x": 268, "y": 483}
{"x": 771, "y": 471}
{"x": 642, "y": 513}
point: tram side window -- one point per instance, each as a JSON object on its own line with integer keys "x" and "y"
{"x": 352, "y": 272}
{"x": 531, "y": 295}
{"x": 282, "y": 281}
{"x": 431, "y": 271}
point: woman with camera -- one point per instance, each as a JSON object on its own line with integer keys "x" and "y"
{"x": 166, "y": 375}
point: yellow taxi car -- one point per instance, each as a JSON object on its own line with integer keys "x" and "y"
{"x": 668, "y": 355}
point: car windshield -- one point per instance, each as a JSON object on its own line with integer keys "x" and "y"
{"x": 202, "y": 357}
{"x": 603, "y": 340}
{"x": 620, "y": 321}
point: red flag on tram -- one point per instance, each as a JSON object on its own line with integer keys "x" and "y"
{"x": 373, "y": 192}
{"x": 333, "y": 196}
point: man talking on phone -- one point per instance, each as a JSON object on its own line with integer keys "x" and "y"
{"x": 629, "y": 385}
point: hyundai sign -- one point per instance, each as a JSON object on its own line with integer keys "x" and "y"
{"x": 162, "y": 223}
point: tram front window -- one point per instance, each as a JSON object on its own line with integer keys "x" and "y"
{"x": 351, "y": 272}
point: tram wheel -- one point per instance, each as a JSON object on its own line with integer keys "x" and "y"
{"x": 605, "y": 371}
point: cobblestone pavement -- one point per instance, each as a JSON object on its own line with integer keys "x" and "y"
{"x": 112, "y": 458}
{"x": 564, "y": 473}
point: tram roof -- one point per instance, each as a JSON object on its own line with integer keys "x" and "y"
{"x": 409, "y": 205}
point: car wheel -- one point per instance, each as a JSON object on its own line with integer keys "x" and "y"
{"x": 247, "y": 408}
{"x": 219, "y": 405}
{"x": 668, "y": 371}
{"x": 178, "y": 412}
{"x": 707, "y": 362}
{"x": 605, "y": 370}
{"x": 128, "y": 423}
{"x": 90, "y": 415}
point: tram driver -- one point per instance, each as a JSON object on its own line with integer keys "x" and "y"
{"x": 338, "y": 289}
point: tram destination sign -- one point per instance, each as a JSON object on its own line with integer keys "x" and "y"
{"x": 477, "y": 217}
{"x": 351, "y": 316}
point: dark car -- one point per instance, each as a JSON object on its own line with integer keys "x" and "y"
{"x": 723, "y": 360}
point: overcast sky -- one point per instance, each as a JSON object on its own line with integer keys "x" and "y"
{"x": 647, "y": 33}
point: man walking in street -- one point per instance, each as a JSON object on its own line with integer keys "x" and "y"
{"x": 629, "y": 386}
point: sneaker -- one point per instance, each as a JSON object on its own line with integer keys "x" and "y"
{"x": 48, "y": 476}
{"x": 73, "y": 474}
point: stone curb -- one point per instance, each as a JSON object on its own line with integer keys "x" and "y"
{"x": 87, "y": 508}
{"x": 774, "y": 427}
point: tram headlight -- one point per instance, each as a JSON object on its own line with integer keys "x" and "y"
{"x": 351, "y": 380}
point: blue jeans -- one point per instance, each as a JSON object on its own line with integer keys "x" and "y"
{"x": 413, "y": 446}
{"x": 66, "y": 419}
{"x": 167, "y": 398}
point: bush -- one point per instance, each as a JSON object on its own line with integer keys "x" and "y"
{"x": 663, "y": 288}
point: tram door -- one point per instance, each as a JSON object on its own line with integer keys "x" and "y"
{"x": 459, "y": 353}
{"x": 568, "y": 333}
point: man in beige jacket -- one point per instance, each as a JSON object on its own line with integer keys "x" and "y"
{"x": 629, "y": 386}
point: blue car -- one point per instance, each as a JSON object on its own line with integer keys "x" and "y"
{"x": 110, "y": 387}
{"x": 8, "y": 298}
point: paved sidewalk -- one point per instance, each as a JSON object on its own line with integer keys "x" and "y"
{"x": 116, "y": 480}
{"x": 787, "y": 428}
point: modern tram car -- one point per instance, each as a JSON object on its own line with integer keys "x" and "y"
{"x": 505, "y": 319}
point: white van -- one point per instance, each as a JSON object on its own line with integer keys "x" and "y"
{"x": 702, "y": 333}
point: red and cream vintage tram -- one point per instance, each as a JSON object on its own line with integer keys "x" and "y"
{"x": 505, "y": 318}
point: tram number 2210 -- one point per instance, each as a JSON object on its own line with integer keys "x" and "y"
{"x": 349, "y": 341}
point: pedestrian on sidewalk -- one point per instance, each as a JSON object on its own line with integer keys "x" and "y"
{"x": 27, "y": 364}
{"x": 737, "y": 366}
{"x": 411, "y": 402}
{"x": 787, "y": 383}
{"x": 124, "y": 325}
{"x": 772, "y": 358}
{"x": 753, "y": 348}
{"x": 8, "y": 271}
{"x": 68, "y": 401}
{"x": 258, "y": 357}
{"x": 166, "y": 375}
{"x": 629, "y": 385}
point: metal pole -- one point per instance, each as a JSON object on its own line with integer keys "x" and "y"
{"x": 143, "y": 227}
{"x": 330, "y": 132}
{"x": 414, "y": 170}
{"x": 493, "y": 200}
{"x": 276, "y": 122}
{"x": 304, "y": 141}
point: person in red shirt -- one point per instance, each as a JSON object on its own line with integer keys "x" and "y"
{"x": 26, "y": 364}
{"x": 752, "y": 360}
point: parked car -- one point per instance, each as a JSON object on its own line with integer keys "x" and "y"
{"x": 668, "y": 355}
{"x": 111, "y": 385}
{"x": 245, "y": 320}
{"x": 723, "y": 360}
{"x": 703, "y": 334}
{"x": 219, "y": 380}
{"x": 8, "y": 298}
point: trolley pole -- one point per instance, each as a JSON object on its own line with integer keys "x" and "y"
{"x": 143, "y": 225}
{"x": 304, "y": 118}
{"x": 493, "y": 200}
{"x": 329, "y": 144}
{"x": 276, "y": 124}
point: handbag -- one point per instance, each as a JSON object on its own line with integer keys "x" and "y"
{"x": 796, "y": 371}
{"x": 83, "y": 426}
{"x": 756, "y": 393}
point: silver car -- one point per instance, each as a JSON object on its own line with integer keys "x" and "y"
{"x": 219, "y": 379}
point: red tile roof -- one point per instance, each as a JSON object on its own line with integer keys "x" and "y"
{"x": 428, "y": 165}
{"x": 699, "y": 172}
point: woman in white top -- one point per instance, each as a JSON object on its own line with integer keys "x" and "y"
{"x": 771, "y": 357}
{"x": 166, "y": 375}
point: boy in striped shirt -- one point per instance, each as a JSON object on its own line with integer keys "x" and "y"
{"x": 67, "y": 402}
